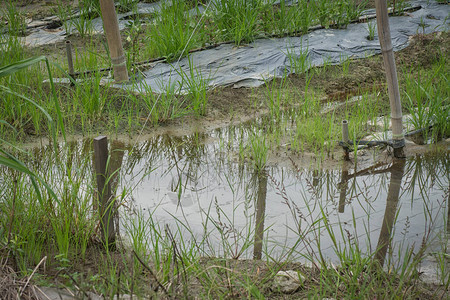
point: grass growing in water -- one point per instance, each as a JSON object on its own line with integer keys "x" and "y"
{"x": 173, "y": 259}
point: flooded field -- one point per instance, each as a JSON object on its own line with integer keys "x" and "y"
{"x": 197, "y": 187}
{"x": 225, "y": 176}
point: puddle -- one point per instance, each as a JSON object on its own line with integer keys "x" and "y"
{"x": 194, "y": 186}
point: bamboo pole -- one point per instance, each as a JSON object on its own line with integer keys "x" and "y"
{"x": 111, "y": 27}
{"x": 384, "y": 35}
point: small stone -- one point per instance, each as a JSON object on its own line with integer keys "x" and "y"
{"x": 287, "y": 282}
{"x": 123, "y": 297}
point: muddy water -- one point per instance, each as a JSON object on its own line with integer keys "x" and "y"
{"x": 284, "y": 211}
{"x": 198, "y": 187}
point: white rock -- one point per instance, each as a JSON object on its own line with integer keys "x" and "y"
{"x": 287, "y": 282}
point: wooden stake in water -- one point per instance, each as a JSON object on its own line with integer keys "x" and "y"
{"x": 384, "y": 35}
{"x": 106, "y": 203}
{"x": 111, "y": 27}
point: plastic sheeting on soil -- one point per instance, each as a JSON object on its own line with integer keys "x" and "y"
{"x": 41, "y": 36}
{"x": 252, "y": 64}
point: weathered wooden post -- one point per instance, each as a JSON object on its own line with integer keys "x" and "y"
{"x": 105, "y": 200}
{"x": 384, "y": 35}
{"x": 111, "y": 27}
{"x": 69, "y": 58}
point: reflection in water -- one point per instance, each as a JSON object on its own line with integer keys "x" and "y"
{"x": 392, "y": 200}
{"x": 116, "y": 154}
{"x": 196, "y": 182}
{"x": 396, "y": 170}
{"x": 343, "y": 185}
{"x": 260, "y": 214}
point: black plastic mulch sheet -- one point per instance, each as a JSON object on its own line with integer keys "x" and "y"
{"x": 250, "y": 65}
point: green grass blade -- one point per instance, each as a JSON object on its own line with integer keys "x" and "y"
{"x": 17, "y": 66}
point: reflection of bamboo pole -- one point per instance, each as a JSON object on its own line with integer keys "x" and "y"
{"x": 116, "y": 159}
{"x": 260, "y": 214}
{"x": 384, "y": 36}
{"x": 390, "y": 211}
{"x": 343, "y": 186}
{"x": 448, "y": 214}
{"x": 111, "y": 27}
{"x": 104, "y": 190}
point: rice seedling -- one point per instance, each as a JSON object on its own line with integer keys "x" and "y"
{"x": 175, "y": 22}
{"x": 299, "y": 63}
{"x": 90, "y": 9}
{"x": 422, "y": 25}
{"x": 345, "y": 62}
{"x": 398, "y": 6}
{"x": 288, "y": 18}
{"x": 197, "y": 87}
{"x": 276, "y": 98}
{"x": 259, "y": 148}
{"x": 64, "y": 13}
{"x": 371, "y": 29}
{"x": 15, "y": 19}
{"x": 237, "y": 20}
{"x": 126, "y": 5}
{"x": 83, "y": 25}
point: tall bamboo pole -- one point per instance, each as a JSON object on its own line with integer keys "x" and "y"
{"x": 384, "y": 35}
{"x": 111, "y": 27}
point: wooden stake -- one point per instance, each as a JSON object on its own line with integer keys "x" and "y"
{"x": 106, "y": 203}
{"x": 112, "y": 32}
{"x": 384, "y": 35}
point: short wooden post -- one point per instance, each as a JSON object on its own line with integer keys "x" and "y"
{"x": 112, "y": 32}
{"x": 106, "y": 203}
{"x": 384, "y": 35}
{"x": 69, "y": 58}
